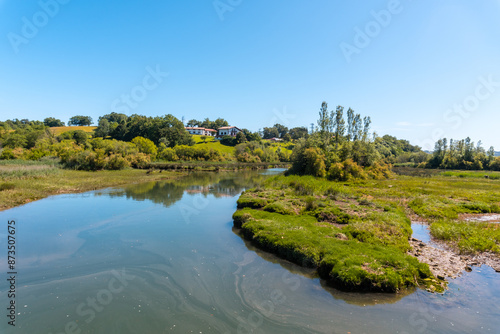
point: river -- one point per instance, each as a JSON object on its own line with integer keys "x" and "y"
{"x": 162, "y": 257}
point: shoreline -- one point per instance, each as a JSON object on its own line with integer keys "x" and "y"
{"x": 64, "y": 181}
{"x": 446, "y": 261}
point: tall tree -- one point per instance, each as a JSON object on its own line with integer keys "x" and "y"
{"x": 339, "y": 126}
{"x": 324, "y": 122}
{"x": 366, "y": 128}
{"x": 350, "y": 124}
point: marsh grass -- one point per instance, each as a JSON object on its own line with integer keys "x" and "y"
{"x": 369, "y": 255}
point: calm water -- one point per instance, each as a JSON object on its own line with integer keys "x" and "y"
{"x": 163, "y": 258}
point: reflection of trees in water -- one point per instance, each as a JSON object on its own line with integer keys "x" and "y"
{"x": 225, "y": 184}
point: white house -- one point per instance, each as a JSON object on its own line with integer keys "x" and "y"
{"x": 228, "y": 131}
{"x": 201, "y": 131}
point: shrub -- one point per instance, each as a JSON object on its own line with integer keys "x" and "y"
{"x": 7, "y": 154}
{"x": 139, "y": 160}
{"x": 146, "y": 146}
{"x": 168, "y": 154}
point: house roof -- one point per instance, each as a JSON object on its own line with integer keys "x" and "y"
{"x": 197, "y": 128}
{"x": 229, "y": 127}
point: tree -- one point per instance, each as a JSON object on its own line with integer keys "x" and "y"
{"x": 204, "y": 138}
{"x": 350, "y": 124}
{"x": 324, "y": 122}
{"x": 287, "y": 137}
{"x": 193, "y": 123}
{"x": 241, "y": 138}
{"x": 282, "y": 130}
{"x": 80, "y": 137}
{"x": 339, "y": 126}
{"x": 52, "y": 122}
{"x": 366, "y": 128}
{"x": 219, "y": 123}
{"x": 80, "y": 121}
{"x": 298, "y": 132}
{"x": 491, "y": 153}
{"x": 271, "y": 133}
{"x": 103, "y": 128}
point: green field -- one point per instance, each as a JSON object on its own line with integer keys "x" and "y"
{"x": 213, "y": 143}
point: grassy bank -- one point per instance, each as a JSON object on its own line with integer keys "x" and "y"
{"x": 357, "y": 242}
{"x": 356, "y": 233}
{"x": 24, "y": 182}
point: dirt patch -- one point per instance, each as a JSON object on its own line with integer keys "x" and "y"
{"x": 446, "y": 262}
{"x": 442, "y": 263}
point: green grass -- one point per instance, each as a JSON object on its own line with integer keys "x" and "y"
{"x": 212, "y": 143}
{"x": 468, "y": 237}
{"x": 355, "y": 242}
{"x": 472, "y": 174}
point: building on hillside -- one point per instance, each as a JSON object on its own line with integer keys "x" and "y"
{"x": 201, "y": 131}
{"x": 228, "y": 131}
{"x": 276, "y": 139}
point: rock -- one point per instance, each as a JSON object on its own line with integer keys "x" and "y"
{"x": 497, "y": 269}
{"x": 342, "y": 236}
{"x": 441, "y": 277}
{"x": 468, "y": 269}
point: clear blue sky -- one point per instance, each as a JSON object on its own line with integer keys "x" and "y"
{"x": 258, "y": 62}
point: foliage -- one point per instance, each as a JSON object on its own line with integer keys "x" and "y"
{"x": 80, "y": 120}
{"x": 146, "y": 146}
{"x": 52, "y": 122}
{"x": 161, "y": 129}
{"x": 462, "y": 154}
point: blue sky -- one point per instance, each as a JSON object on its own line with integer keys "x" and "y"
{"x": 421, "y": 69}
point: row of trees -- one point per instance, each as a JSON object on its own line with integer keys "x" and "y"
{"x": 281, "y": 131}
{"x": 167, "y": 129}
{"x": 13, "y": 124}
{"x": 208, "y": 124}
{"x": 462, "y": 154}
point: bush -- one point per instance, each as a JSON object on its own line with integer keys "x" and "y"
{"x": 168, "y": 154}
{"x": 7, "y": 154}
{"x": 146, "y": 146}
{"x": 229, "y": 141}
{"x": 139, "y": 160}
{"x": 346, "y": 171}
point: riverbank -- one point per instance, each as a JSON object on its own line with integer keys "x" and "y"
{"x": 215, "y": 166}
{"x": 358, "y": 234}
{"x": 21, "y": 183}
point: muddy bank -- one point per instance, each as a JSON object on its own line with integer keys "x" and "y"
{"x": 444, "y": 261}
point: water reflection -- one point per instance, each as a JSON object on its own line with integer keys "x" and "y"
{"x": 226, "y": 184}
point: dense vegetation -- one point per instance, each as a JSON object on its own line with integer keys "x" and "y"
{"x": 463, "y": 154}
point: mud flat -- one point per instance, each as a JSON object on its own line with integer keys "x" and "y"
{"x": 444, "y": 261}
